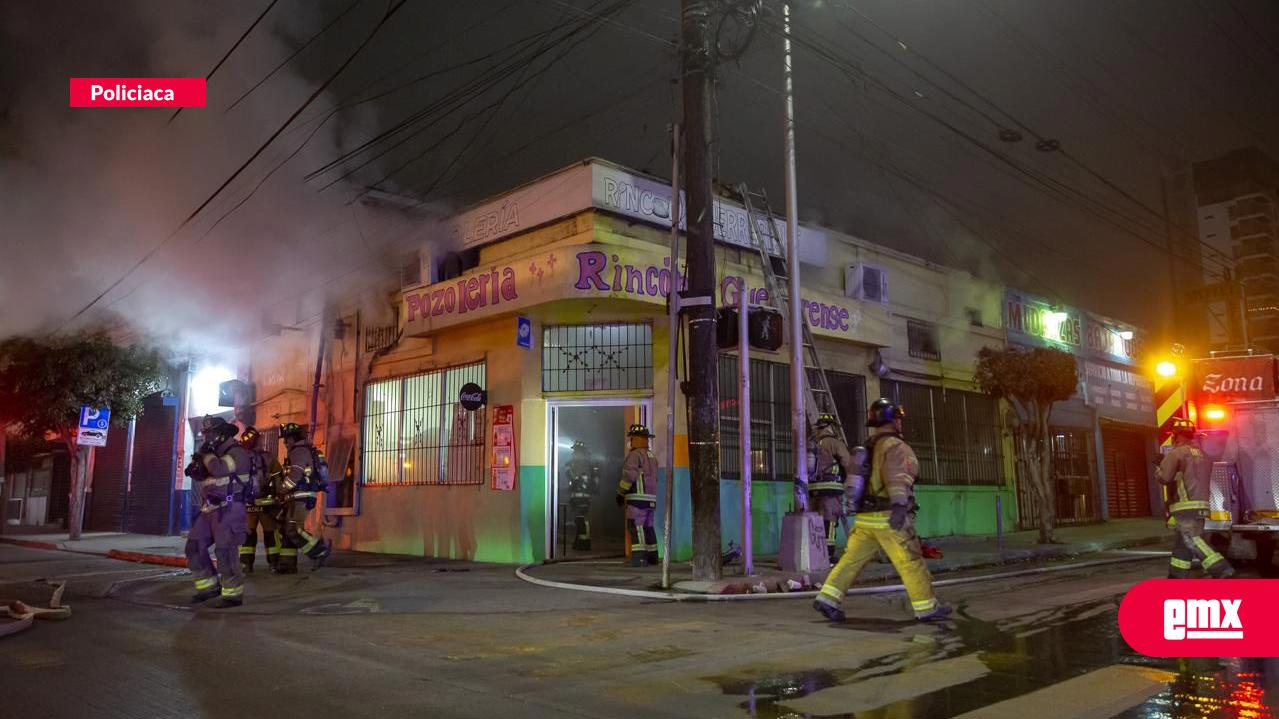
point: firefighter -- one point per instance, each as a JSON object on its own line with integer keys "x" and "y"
{"x": 1187, "y": 474}
{"x": 829, "y": 464}
{"x": 636, "y": 490}
{"x": 303, "y": 476}
{"x": 220, "y": 478}
{"x": 583, "y": 483}
{"x": 885, "y": 518}
{"x": 261, "y": 511}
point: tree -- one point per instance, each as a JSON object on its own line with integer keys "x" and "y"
{"x": 1031, "y": 380}
{"x": 43, "y": 382}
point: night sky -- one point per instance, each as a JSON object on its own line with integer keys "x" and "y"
{"x": 898, "y": 146}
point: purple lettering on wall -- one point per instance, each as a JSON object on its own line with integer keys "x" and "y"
{"x": 413, "y": 305}
{"x": 508, "y": 284}
{"x": 589, "y": 267}
{"x": 634, "y": 280}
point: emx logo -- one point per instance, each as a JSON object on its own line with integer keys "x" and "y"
{"x": 1201, "y": 618}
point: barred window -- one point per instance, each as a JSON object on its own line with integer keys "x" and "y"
{"x": 581, "y": 358}
{"x": 417, "y": 432}
{"x": 955, "y": 434}
{"x": 922, "y": 340}
{"x": 771, "y": 458}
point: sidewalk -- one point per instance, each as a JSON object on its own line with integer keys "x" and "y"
{"x": 963, "y": 552}
{"x": 151, "y": 549}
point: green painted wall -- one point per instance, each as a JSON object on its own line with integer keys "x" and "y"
{"x": 944, "y": 511}
{"x": 532, "y": 537}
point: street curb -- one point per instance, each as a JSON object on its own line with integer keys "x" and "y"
{"x": 166, "y": 560}
{"x": 521, "y": 573}
{"x": 30, "y": 544}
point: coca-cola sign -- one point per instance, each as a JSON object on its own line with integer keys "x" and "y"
{"x": 1235, "y": 378}
{"x": 472, "y": 396}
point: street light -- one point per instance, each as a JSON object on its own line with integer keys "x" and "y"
{"x": 1166, "y": 369}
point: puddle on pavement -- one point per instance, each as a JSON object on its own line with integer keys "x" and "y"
{"x": 1023, "y": 655}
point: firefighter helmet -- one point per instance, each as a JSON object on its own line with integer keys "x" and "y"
{"x": 249, "y": 437}
{"x": 217, "y": 429}
{"x": 824, "y": 420}
{"x": 1183, "y": 428}
{"x": 883, "y": 411}
{"x": 292, "y": 432}
{"x": 638, "y": 430}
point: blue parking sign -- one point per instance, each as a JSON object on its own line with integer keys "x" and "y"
{"x": 94, "y": 417}
{"x": 524, "y": 332}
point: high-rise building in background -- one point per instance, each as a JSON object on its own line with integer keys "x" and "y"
{"x": 1236, "y": 197}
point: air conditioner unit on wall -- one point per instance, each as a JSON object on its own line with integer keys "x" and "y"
{"x": 866, "y": 282}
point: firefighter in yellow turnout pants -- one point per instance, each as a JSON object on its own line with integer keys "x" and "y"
{"x": 885, "y": 519}
{"x": 1187, "y": 473}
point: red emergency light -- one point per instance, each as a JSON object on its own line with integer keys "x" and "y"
{"x": 1214, "y": 413}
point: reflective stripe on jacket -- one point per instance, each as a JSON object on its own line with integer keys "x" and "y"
{"x": 639, "y": 478}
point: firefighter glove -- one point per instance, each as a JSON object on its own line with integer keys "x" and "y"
{"x": 897, "y": 519}
{"x": 620, "y": 500}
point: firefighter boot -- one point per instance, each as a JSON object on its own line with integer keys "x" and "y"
{"x": 320, "y": 554}
{"x": 828, "y": 610}
{"x": 206, "y": 594}
{"x": 941, "y": 612}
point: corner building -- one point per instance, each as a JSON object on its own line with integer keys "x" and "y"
{"x": 552, "y": 301}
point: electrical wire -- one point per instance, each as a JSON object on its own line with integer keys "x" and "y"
{"x": 337, "y": 18}
{"x": 243, "y": 35}
{"x": 1089, "y": 170}
{"x": 390, "y": 12}
{"x": 1090, "y": 205}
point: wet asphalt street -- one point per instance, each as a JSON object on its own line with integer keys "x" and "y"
{"x": 412, "y": 639}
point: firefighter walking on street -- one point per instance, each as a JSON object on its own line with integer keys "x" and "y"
{"x": 261, "y": 512}
{"x": 1187, "y": 473}
{"x": 219, "y": 474}
{"x": 305, "y": 475}
{"x": 885, "y": 519}
{"x": 638, "y": 491}
{"x": 829, "y": 464}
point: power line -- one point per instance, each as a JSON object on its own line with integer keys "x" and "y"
{"x": 516, "y": 66}
{"x": 390, "y": 12}
{"x": 1091, "y": 205}
{"x": 243, "y": 35}
{"x": 1092, "y": 172}
{"x": 520, "y": 82}
{"x": 293, "y": 55}
{"x": 1243, "y": 52}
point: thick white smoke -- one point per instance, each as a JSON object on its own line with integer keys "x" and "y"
{"x": 86, "y": 193}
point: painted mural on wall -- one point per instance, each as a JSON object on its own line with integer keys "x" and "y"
{"x": 605, "y": 271}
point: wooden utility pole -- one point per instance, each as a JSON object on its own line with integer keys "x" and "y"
{"x": 697, "y": 56}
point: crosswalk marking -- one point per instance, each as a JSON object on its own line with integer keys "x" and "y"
{"x": 1099, "y": 694}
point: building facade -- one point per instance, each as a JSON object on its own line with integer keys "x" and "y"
{"x": 1104, "y": 436}
{"x": 1237, "y": 208}
{"x": 523, "y": 353}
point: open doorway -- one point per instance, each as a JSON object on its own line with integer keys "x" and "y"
{"x": 588, "y": 445}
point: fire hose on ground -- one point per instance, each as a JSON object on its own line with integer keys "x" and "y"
{"x": 25, "y": 614}
{"x": 1129, "y": 556}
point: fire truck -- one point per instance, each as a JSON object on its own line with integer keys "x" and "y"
{"x": 1232, "y": 399}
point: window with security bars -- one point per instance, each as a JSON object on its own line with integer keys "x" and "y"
{"x": 771, "y": 455}
{"x": 417, "y": 432}
{"x": 955, "y": 434}
{"x": 771, "y": 458}
{"x": 922, "y": 340}
{"x": 585, "y": 358}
